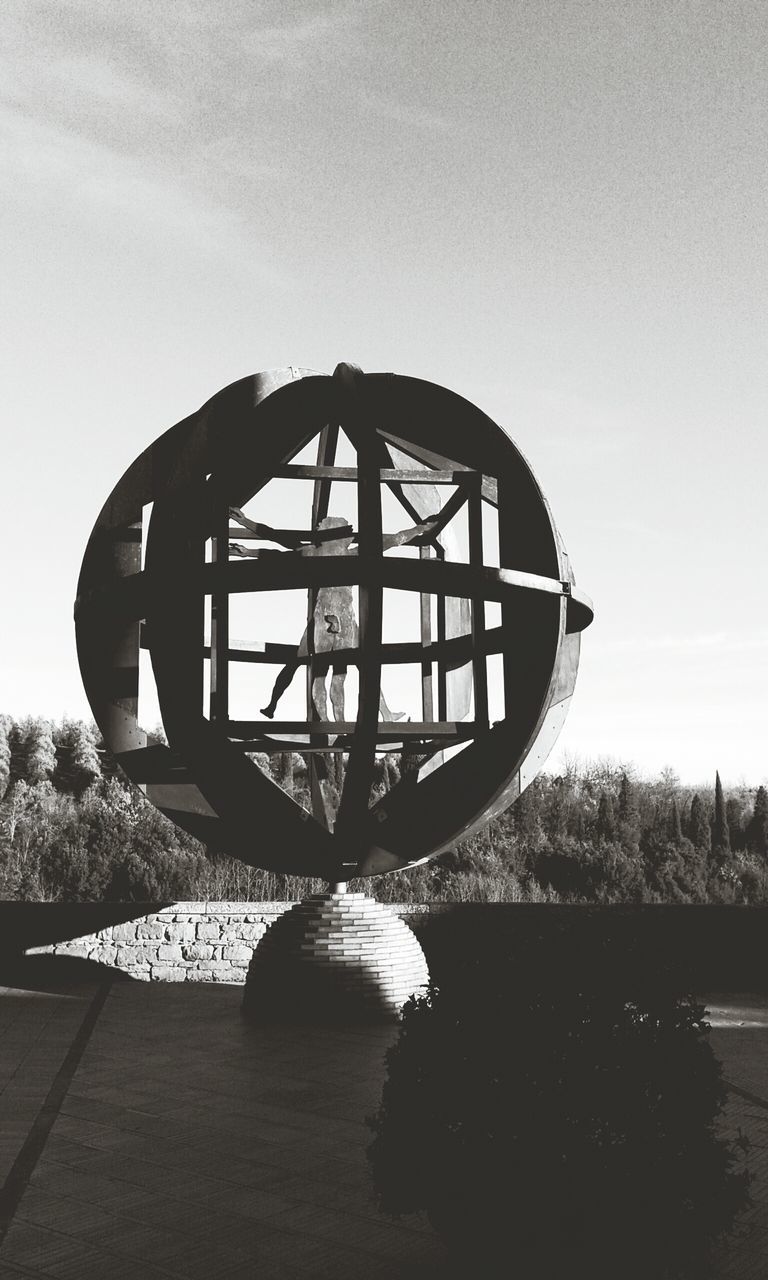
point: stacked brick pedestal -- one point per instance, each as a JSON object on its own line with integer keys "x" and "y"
{"x": 335, "y": 954}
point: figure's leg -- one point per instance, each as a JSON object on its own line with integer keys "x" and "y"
{"x": 282, "y": 682}
{"x": 384, "y": 711}
{"x": 284, "y": 678}
{"x": 337, "y": 690}
{"x": 323, "y": 642}
{"x": 320, "y": 696}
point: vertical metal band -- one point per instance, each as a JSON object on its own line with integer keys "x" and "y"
{"x": 353, "y": 810}
{"x": 427, "y": 692}
{"x": 219, "y": 700}
{"x": 479, "y": 667}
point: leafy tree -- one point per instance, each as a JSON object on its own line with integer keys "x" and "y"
{"x": 40, "y": 752}
{"x": 669, "y": 782}
{"x": 284, "y": 771}
{"x": 525, "y": 814}
{"x": 77, "y": 761}
{"x": 556, "y": 817}
{"x": 107, "y": 762}
{"x": 577, "y": 823}
{"x": 33, "y": 755}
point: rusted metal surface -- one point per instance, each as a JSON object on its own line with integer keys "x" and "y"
{"x": 416, "y": 440}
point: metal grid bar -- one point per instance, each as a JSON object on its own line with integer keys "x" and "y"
{"x": 353, "y": 807}
{"x": 427, "y": 690}
{"x": 442, "y": 670}
{"x": 219, "y": 690}
{"x": 479, "y": 667}
{"x": 389, "y": 475}
{"x": 323, "y": 806}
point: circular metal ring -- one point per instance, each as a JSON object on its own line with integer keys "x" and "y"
{"x": 219, "y": 458}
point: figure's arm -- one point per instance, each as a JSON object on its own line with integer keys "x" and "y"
{"x": 254, "y": 553}
{"x": 261, "y": 530}
{"x": 406, "y": 536}
{"x": 290, "y": 538}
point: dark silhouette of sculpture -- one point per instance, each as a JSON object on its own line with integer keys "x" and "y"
{"x": 163, "y": 546}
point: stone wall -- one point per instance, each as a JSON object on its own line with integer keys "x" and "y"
{"x": 718, "y": 948}
{"x": 180, "y": 942}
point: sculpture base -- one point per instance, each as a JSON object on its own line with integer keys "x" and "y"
{"x": 335, "y": 956}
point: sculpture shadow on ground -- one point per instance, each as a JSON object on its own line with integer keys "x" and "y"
{"x": 27, "y": 925}
{"x": 55, "y": 975}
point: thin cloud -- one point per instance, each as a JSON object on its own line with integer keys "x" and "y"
{"x": 80, "y": 82}
{"x": 181, "y": 62}
{"x": 297, "y": 39}
{"x": 411, "y": 115}
{"x": 97, "y": 181}
{"x": 182, "y": 90}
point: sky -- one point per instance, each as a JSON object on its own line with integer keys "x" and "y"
{"x": 556, "y": 208}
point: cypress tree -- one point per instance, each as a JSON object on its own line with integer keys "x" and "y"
{"x": 757, "y": 827}
{"x": 675, "y": 826}
{"x": 733, "y": 814}
{"x": 5, "y": 755}
{"x": 627, "y": 805}
{"x": 698, "y": 827}
{"x": 721, "y": 840}
{"x": 628, "y": 814}
{"x": 606, "y": 824}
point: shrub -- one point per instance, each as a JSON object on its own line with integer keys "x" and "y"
{"x": 556, "y": 1114}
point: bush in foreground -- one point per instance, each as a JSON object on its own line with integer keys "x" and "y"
{"x": 544, "y": 1117}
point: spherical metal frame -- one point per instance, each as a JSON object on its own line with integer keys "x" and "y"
{"x": 220, "y": 457}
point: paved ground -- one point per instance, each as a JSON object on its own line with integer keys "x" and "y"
{"x": 740, "y": 1039}
{"x": 148, "y": 1131}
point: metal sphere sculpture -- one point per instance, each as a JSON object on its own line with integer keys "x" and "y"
{"x": 168, "y": 552}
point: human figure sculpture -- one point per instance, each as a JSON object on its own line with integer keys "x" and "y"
{"x": 335, "y": 628}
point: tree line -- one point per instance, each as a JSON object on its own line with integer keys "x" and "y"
{"x": 73, "y": 829}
